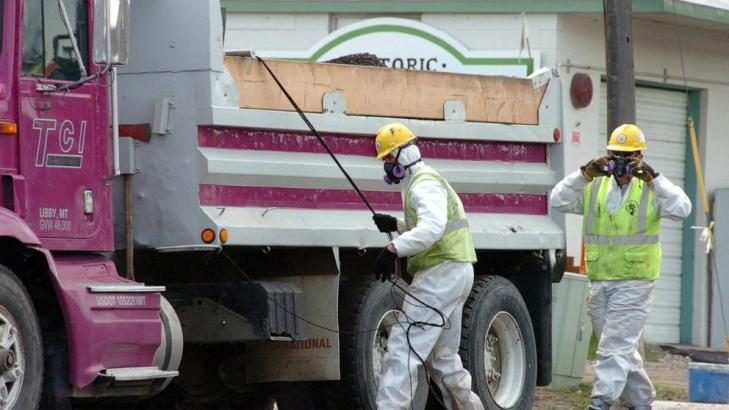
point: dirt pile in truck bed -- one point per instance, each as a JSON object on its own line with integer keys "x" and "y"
{"x": 358, "y": 59}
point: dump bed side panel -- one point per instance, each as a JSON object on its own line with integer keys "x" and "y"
{"x": 375, "y": 91}
{"x": 269, "y": 181}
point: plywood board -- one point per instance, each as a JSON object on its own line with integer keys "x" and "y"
{"x": 375, "y": 91}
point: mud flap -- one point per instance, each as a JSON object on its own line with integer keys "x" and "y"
{"x": 314, "y": 358}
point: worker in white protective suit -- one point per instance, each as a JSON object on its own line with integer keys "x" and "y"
{"x": 622, "y": 200}
{"x": 437, "y": 242}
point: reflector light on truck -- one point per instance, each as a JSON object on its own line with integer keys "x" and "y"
{"x": 8, "y": 128}
{"x": 207, "y": 235}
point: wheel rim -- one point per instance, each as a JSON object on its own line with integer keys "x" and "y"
{"x": 504, "y": 360}
{"x": 379, "y": 342}
{"x": 12, "y": 363}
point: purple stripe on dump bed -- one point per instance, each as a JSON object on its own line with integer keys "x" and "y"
{"x": 254, "y": 139}
{"x": 226, "y": 195}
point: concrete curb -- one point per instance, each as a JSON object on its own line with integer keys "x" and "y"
{"x": 677, "y": 405}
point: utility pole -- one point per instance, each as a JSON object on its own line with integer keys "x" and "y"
{"x": 620, "y": 72}
{"x": 619, "y": 63}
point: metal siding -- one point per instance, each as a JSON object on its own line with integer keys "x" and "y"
{"x": 661, "y": 114}
{"x": 719, "y": 278}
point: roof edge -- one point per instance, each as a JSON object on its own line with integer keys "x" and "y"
{"x": 379, "y": 7}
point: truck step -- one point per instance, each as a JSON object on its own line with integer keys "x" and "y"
{"x": 124, "y": 288}
{"x": 125, "y": 374}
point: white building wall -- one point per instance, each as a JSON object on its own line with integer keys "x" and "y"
{"x": 499, "y": 31}
{"x": 274, "y": 31}
{"x": 577, "y": 39}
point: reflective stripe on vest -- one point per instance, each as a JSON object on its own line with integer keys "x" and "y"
{"x": 623, "y": 245}
{"x": 456, "y": 225}
{"x": 456, "y": 243}
{"x": 622, "y": 240}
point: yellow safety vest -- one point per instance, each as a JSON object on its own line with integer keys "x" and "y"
{"x": 622, "y": 246}
{"x": 456, "y": 243}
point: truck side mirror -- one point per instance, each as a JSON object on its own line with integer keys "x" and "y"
{"x": 111, "y": 32}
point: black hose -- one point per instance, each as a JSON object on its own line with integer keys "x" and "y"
{"x": 389, "y": 234}
{"x": 316, "y": 133}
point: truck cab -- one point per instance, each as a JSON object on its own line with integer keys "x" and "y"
{"x": 61, "y": 293}
{"x": 58, "y": 162}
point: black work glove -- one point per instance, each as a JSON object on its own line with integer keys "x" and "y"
{"x": 385, "y": 223}
{"x": 385, "y": 265}
{"x": 641, "y": 170}
{"x": 597, "y": 167}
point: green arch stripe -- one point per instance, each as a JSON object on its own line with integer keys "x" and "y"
{"x": 426, "y": 36}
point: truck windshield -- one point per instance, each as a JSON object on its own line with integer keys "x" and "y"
{"x": 48, "y": 49}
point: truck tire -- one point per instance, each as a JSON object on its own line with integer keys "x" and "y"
{"x": 366, "y": 304}
{"x": 498, "y": 346}
{"x": 21, "y": 351}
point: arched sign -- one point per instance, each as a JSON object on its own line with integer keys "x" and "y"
{"x": 409, "y": 44}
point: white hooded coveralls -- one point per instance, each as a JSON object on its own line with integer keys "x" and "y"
{"x": 445, "y": 287}
{"x": 619, "y": 309}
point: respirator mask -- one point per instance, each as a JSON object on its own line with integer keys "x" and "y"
{"x": 395, "y": 172}
{"x": 618, "y": 165}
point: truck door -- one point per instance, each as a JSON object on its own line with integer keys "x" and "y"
{"x": 64, "y": 151}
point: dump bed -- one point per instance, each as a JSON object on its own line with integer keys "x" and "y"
{"x": 228, "y": 151}
{"x": 277, "y": 185}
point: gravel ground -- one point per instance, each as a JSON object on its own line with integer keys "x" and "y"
{"x": 663, "y": 368}
{"x": 668, "y": 372}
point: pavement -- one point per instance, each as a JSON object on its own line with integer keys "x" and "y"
{"x": 677, "y": 405}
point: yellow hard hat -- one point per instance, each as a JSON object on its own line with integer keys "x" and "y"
{"x": 627, "y": 138}
{"x": 391, "y": 137}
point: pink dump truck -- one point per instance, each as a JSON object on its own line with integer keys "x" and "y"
{"x": 171, "y": 233}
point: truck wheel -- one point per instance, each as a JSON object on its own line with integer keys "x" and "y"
{"x": 21, "y": 348}
{"x": 498, "y": 346}
{"x": 367, "y": 304}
